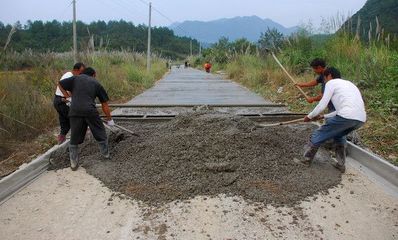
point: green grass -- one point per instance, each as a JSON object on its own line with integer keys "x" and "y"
{"x": 372, "y": 68}
{"x": 26, "y": 96}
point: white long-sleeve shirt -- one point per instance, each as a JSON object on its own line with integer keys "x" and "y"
{"x": 66, "y": 75}
{"x": 346, "y": 98}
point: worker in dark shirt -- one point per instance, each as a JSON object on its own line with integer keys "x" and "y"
{"x": 83, "y": 112}
{"x": 318, "y": 66}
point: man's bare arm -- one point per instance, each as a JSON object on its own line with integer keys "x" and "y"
{"x": 64, "y": 92}
{"x": 106, "y": 110}
{"x": 312, "y": 83}
{"x": 314, "y": 99}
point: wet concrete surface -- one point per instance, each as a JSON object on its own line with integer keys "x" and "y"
{"x": 190, "y": 86}
{"x": 207, "y": 154}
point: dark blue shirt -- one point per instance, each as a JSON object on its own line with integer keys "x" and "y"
{"x": 321, "y": 80}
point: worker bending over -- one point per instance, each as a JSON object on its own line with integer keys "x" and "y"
{"x": 61, "y": 103}
{"x": 349, "y": 115}
{"x": 83, "y": 112}
{"x": 318, "y": 65}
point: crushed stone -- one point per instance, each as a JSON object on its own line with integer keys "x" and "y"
{"x": 208, "y": 154}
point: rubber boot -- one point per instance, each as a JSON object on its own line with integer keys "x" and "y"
{"x": 74, "y": 157}
{"x": 340, "y": 157}
{"x": 104, "y": 148}
{"x": 309, "y": 154}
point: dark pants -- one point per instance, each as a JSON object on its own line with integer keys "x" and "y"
{"x": 79, "y": 128}
{"x": 63, "y": 111}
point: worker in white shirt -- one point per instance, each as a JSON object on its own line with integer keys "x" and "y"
{"x": 61, "y": 104}
{"x": 349, "y": 115}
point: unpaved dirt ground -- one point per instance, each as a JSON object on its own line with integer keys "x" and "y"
{"x": 13, "y": 154}
{"x": 209, "y": 154}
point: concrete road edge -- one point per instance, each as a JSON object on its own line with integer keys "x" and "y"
{"x": 374, "y": 162}
{"x": 14, "y": 182}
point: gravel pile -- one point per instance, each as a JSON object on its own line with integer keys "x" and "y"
{"x": 209, "y": 154}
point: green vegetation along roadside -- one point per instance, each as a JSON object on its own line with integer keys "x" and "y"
{"x": 375, "y": 15}
{"x": 27, "y": 116}
{"x": 371, "y": 66}
{"x": 54, "y": 36}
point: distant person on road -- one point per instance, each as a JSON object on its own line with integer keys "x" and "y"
{"x": 186, "y": 64}
{"x": 349, "y": 115}
{"x": 83, "y": 112}
{"x": 207, "y": 67}
{"x": 61, "y": 103}
{"x": 318, "y": 66}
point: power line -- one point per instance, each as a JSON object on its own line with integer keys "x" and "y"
{"x": 118, "y": 5}
{"x": 133, "y": 8}
{"x": 144, "y": 2}
{"x": 114, "y": 8}
{"x": 131, "y": 4}
{"x": 164, "y": 16}
{"x": 65, "y": 10}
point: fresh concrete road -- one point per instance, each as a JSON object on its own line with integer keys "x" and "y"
{"x": 190, "y": 86}
{"x": 193, "y": 87}
{"x": 75, "y": 205}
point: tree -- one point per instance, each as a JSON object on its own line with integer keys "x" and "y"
{"x": 271, "y": 39}
{"x": 115, "y": 35}
{"x": 243, "y": 46}
{"x": 219, "y": 51}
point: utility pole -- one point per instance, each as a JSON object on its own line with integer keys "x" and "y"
{"x": 191, "y": 48}
{"x": 74, "y": 33}
{"x": 148, "y": 57}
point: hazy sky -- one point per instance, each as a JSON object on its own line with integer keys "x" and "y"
{"x": 286, "y": 12}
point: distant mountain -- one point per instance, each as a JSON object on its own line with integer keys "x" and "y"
{"x": 385, "y": 10}
{"x": 232, "y": 28}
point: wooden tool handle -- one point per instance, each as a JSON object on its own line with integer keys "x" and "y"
{"x": 287, "y": 73}
{"x": 120, "y": 127}
{"x": 281, "y": 123}
{"x": 127, "y": 130}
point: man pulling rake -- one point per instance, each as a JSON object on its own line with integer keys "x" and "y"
{"x": 348, "y": 115}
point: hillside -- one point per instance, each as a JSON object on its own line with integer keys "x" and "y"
{"x": 232, "y": 28}
{"x": 113, "y": 35}
{"x": 385, "y": 10}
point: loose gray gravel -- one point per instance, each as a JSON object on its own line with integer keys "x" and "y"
{"x": 208, "y": 154}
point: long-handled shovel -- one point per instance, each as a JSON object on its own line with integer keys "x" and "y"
{"x": 127, "y": 130}
{"x": 300, "y": 120}
{"x": 287, "y": 73}
{"x": 121, "y": 128}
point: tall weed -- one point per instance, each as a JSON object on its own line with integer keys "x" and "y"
{"x": 26, "y": 96}
{"x": 371, "y": 66}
